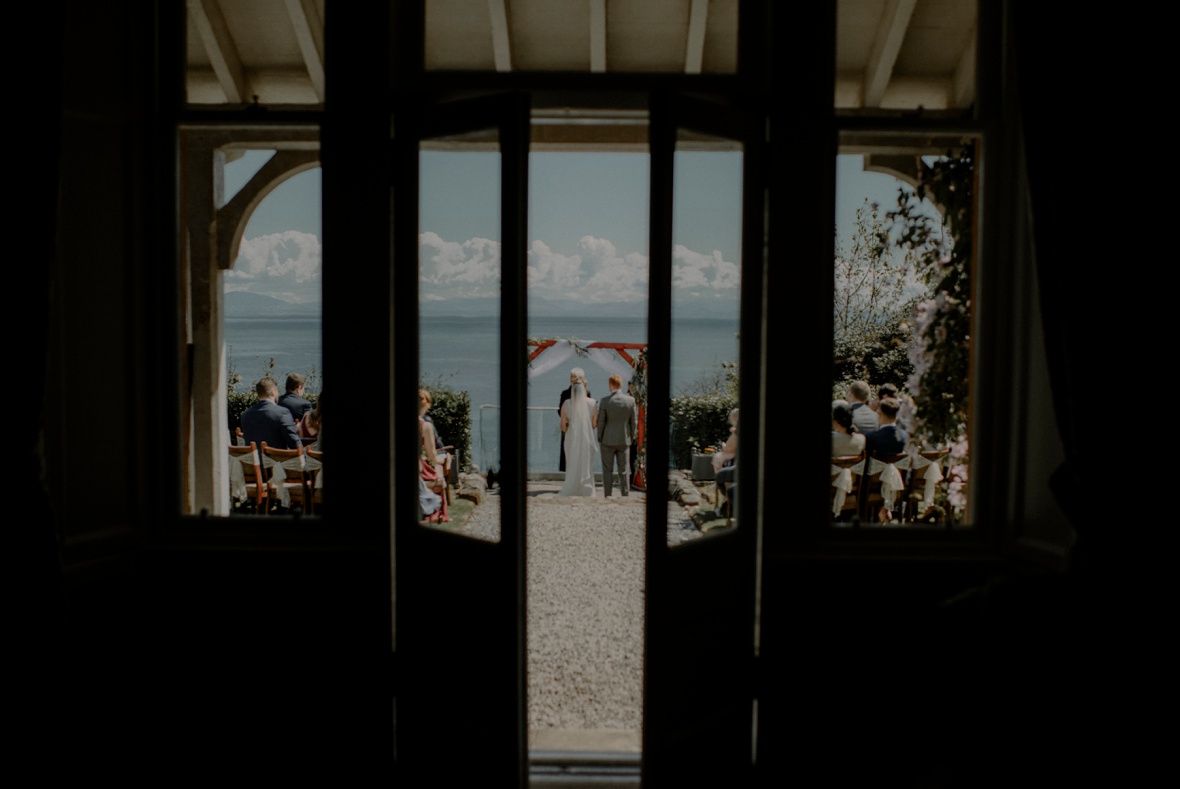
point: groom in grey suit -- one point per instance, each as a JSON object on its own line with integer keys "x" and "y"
{"x": 616, "y": 430}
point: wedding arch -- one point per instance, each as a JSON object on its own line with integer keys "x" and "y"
{"x": 621, "y": 358}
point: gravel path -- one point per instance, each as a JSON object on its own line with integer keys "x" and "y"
{"x": 585, "y": 605}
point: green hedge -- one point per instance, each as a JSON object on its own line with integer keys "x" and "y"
{"x": 451, "y": 412}
{"x": 698, "y": 421}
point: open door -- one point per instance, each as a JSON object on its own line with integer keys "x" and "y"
{"x": 700, "y": 622}
{"x": 459, "y": 636}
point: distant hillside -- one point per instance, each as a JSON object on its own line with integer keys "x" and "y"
{"x": 240, "y": 304}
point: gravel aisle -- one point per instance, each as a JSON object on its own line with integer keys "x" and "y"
{"x": 585, "y": 605}
{"x": 585, "y": 612}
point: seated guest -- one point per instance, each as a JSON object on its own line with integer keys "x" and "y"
{"x": 268, "y": 421}
{"x": 863, "y": 417}
{"x": 725, "y": 464}
{"x": 309, "y": 427}
{"x": 889, "y": 438}
{"x": 431, "y": 471}
{"x": 292, "y": 399}
{"x": 845, "y": 438}
{"x": 440, "y": 446}
{"x": 883, "y": 391}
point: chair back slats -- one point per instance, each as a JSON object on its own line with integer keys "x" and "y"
{"x": 924, "y": 481}
{"x": 871, "y": 496}
{"x": 250, "y": 464}
{"x": 315, "y": 479}
{"x": 846, "y": 483}
{"x": 293, "y": 480}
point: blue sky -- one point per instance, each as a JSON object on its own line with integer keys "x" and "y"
{"x": 587, "y": 226}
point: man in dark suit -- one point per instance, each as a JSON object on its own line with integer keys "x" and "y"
{"x": 889, "y": 438}
{"x": 576, "y": 374}
{"x": 268, "y": 421}
{"x": 292, "y": 399}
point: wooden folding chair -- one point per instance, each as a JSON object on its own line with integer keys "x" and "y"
{"x": 315, "y": 479}
{"x": 847, "y": 484}
{"x": 253, "y": 483}
{"x": 882, "y": 486}
{"x": 292, "y": 481}
{"x": 927, "y": 475}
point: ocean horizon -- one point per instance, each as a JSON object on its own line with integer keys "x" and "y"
{"x": 462, "y": 353}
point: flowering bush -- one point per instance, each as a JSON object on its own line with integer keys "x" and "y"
{"x": 940, "y": 348}
{"x": 876, "y": 286}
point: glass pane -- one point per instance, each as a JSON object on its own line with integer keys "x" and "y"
{"x": 267, "y": 52}
{"x": 670, "y": 36}
{"x": 902, "y": 339}
{"x": 588, "y": 293}
{"x": 459, "y": 350}
{"x": 706, "y": 286}
{"x": 905, "y": 56}
{"x": 273, "y": 336}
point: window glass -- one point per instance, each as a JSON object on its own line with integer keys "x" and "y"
{"x": 902, "y": 313}
{"x": 706, "y": 287}
{"x": 459, "y": 332}
{"x": 272, "y": 318}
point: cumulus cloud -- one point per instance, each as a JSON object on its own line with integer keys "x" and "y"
{"x": 613, "y": 278}
{"x": 457, "y": 269}
{"x": 697, "y": 271}
{"x": 283, "y": 265}
{"x": 596, "y": 272}
{"x": 551, "y": 273}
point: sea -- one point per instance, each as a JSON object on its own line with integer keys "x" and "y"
{"x": 462, "y": 353}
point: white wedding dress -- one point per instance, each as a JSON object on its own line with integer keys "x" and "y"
{"x": 581, "y": 445}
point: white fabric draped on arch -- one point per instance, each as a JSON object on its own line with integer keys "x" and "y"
{"x": 557, "y": 354}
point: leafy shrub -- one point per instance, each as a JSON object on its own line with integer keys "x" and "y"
{"x": 238, "y": 403}
{"x": 698, "y": 421}
{"x": 451, "y": 412}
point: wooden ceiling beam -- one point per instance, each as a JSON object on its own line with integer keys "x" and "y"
{"x": 309, "y": 32}
{"x": 598, "y": 36}
{"x": 963, "y": 80}
{"x": 694, "y": 51}
{"x": 207, "y": 20}
{"x": 501, "y": 42}
{"x": 895, "y": 19}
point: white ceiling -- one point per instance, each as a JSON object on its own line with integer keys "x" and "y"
{"x": 891, "y": 54}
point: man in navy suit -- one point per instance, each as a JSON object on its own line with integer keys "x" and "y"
{"x": 268, "y": 421}
{"x": 292, "y": 399}
{"x": 889, "y": 438}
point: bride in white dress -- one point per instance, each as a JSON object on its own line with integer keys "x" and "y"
{"x": 579, "y": 418}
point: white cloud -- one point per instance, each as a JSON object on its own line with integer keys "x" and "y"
{"x": 699, "y": 273}
{"x": 596, "y": 273}
{"x": 614, "y": 278}
{"x": 453, "y": 269}
{"x": 551, "y": 273}
{"x": 283, "y": 265}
